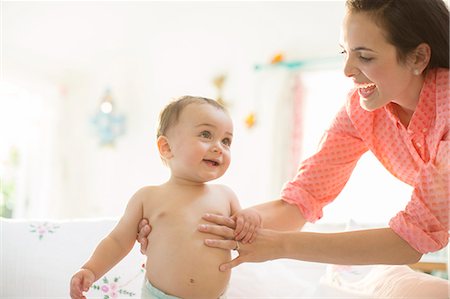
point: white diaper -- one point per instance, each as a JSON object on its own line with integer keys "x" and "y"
{"x": 151, "y": 292}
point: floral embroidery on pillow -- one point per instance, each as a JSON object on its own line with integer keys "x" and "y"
{"x": 43, "y": 229}
{"x": 111, "y": 290}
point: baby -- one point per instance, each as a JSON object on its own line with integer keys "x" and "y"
{"x": 193, "y": 139}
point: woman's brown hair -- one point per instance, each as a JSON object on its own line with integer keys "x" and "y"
{"x": 408, "y": 23}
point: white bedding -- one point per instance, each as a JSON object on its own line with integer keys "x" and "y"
{"x": 39, "y": 257}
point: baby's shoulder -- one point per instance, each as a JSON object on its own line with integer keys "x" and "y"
{"x": 225, "y": 190}
{"x": 147, "y": 193}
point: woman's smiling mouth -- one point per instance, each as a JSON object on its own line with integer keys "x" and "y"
{"x": 365, "y": 90}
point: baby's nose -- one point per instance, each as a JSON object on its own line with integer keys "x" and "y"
{"x": 217, "y": 149}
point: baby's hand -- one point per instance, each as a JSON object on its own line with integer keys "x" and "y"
{"x": 247, "y": 222}
{"x": 81, "y": 282}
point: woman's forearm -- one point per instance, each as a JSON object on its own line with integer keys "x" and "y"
{"x": 279, "y": 215}
{"x": 376, "y": 246}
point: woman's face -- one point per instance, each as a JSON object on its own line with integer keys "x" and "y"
{"x": 372, "y": 64}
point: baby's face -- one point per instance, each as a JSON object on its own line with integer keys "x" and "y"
{"x": 200, "y": 143}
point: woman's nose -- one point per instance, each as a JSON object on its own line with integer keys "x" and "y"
{"x": 350, "y": 70}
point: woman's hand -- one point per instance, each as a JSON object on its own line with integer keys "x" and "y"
{"x": 221, "y": 226}
{"x": 266, "y": 245}
{"x": 144, "y": 230}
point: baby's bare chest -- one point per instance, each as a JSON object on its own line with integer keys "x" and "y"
{"x": 184, "y": 212}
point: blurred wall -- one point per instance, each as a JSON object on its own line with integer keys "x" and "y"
{"x": 59, "y": 57}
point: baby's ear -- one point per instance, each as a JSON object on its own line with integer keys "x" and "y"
{"x": 164, "y": 147}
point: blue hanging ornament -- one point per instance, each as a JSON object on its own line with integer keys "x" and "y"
{"x": 108, "y": 124}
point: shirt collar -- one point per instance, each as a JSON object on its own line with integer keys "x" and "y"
{"x": 426, "y": 108}
{"x": 425, "y": 111}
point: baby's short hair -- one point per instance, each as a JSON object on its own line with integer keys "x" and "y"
{"x": 170, "y": 114}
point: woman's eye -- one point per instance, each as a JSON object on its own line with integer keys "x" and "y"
{"x": 205, "y": 134}
{"x": 365, "y": 59}
{"x": 226, "y": 141}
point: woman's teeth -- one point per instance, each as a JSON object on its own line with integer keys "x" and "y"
{"x": 366, "y": 85}
{"x": 366, "y": 89}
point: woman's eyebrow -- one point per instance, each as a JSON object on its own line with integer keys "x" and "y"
{"x": 362, "y": 49}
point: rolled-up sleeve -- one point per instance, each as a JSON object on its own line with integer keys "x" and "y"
{"x": 322, "y": 177}
{"x": 424, "y": 223}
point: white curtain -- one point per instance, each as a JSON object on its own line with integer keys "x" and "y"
{"x": 28, "y": 127}
{"x": 278, "y": 112}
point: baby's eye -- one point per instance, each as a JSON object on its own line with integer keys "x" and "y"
{"x": 226, "y": 141}
{"x": 205, "y": 134}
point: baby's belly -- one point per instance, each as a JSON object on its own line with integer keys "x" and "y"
{"x": 179, "y": 264}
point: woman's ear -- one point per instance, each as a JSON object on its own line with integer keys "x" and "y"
{"x": 164, "y": 147}
{"x": 420, "y": 58}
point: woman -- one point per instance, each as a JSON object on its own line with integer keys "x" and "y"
{"x": 397, "y": 54}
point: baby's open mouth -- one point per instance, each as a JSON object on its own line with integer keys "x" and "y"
{"x": 211, "y": 162}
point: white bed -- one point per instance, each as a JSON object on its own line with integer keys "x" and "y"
{"x": 38, "y": 258}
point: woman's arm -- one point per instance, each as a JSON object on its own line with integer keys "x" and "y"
{"x": 362, "y": 247}
{"x": 376, "y": 246}
{"x": 280, "y": 215}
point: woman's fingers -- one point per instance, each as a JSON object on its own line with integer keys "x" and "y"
{"x": 142, "y": 223}
{"x": 220, "y": 220}
{"x": 218, "y": 230}
{"x": 144, "y": 244}
{"x": 144, "y": 230}
{"x": 227, "y": 245}
{"x": 229, "y": 265}
{"x": 222, "y": 244}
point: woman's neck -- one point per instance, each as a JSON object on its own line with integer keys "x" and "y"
{"x": 404, "y": 114}
{"x": 405, "y": 108}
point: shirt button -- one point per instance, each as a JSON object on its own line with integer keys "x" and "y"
{"x": 424, "y": 130}
{"x": 418, "y": 144}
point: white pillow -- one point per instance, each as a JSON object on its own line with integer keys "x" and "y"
{"x": 399, "y": 282}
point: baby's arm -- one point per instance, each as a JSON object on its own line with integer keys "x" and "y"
{"x": 247, "y": 221}
{"x": 110, "y": 250}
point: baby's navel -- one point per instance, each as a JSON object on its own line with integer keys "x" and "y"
{"x": 192, "y": 280}
{"x": 161, "y": 215}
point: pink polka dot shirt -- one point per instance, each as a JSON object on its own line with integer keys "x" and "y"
{"x": 417, "y": 155}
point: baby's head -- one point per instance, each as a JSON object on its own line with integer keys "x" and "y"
{"x": 194, "y": 137}
{"x": 170, "y": 114}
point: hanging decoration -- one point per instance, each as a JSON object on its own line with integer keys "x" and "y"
{"x": 219, "y": 83}
{"x": 107, "y": 122}
{"x": 251, "y": 117}
{"x": 250, "y": 120}
{"x": 277, "y": 58}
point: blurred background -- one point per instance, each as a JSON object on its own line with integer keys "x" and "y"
{"x": 82, "y": 84}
